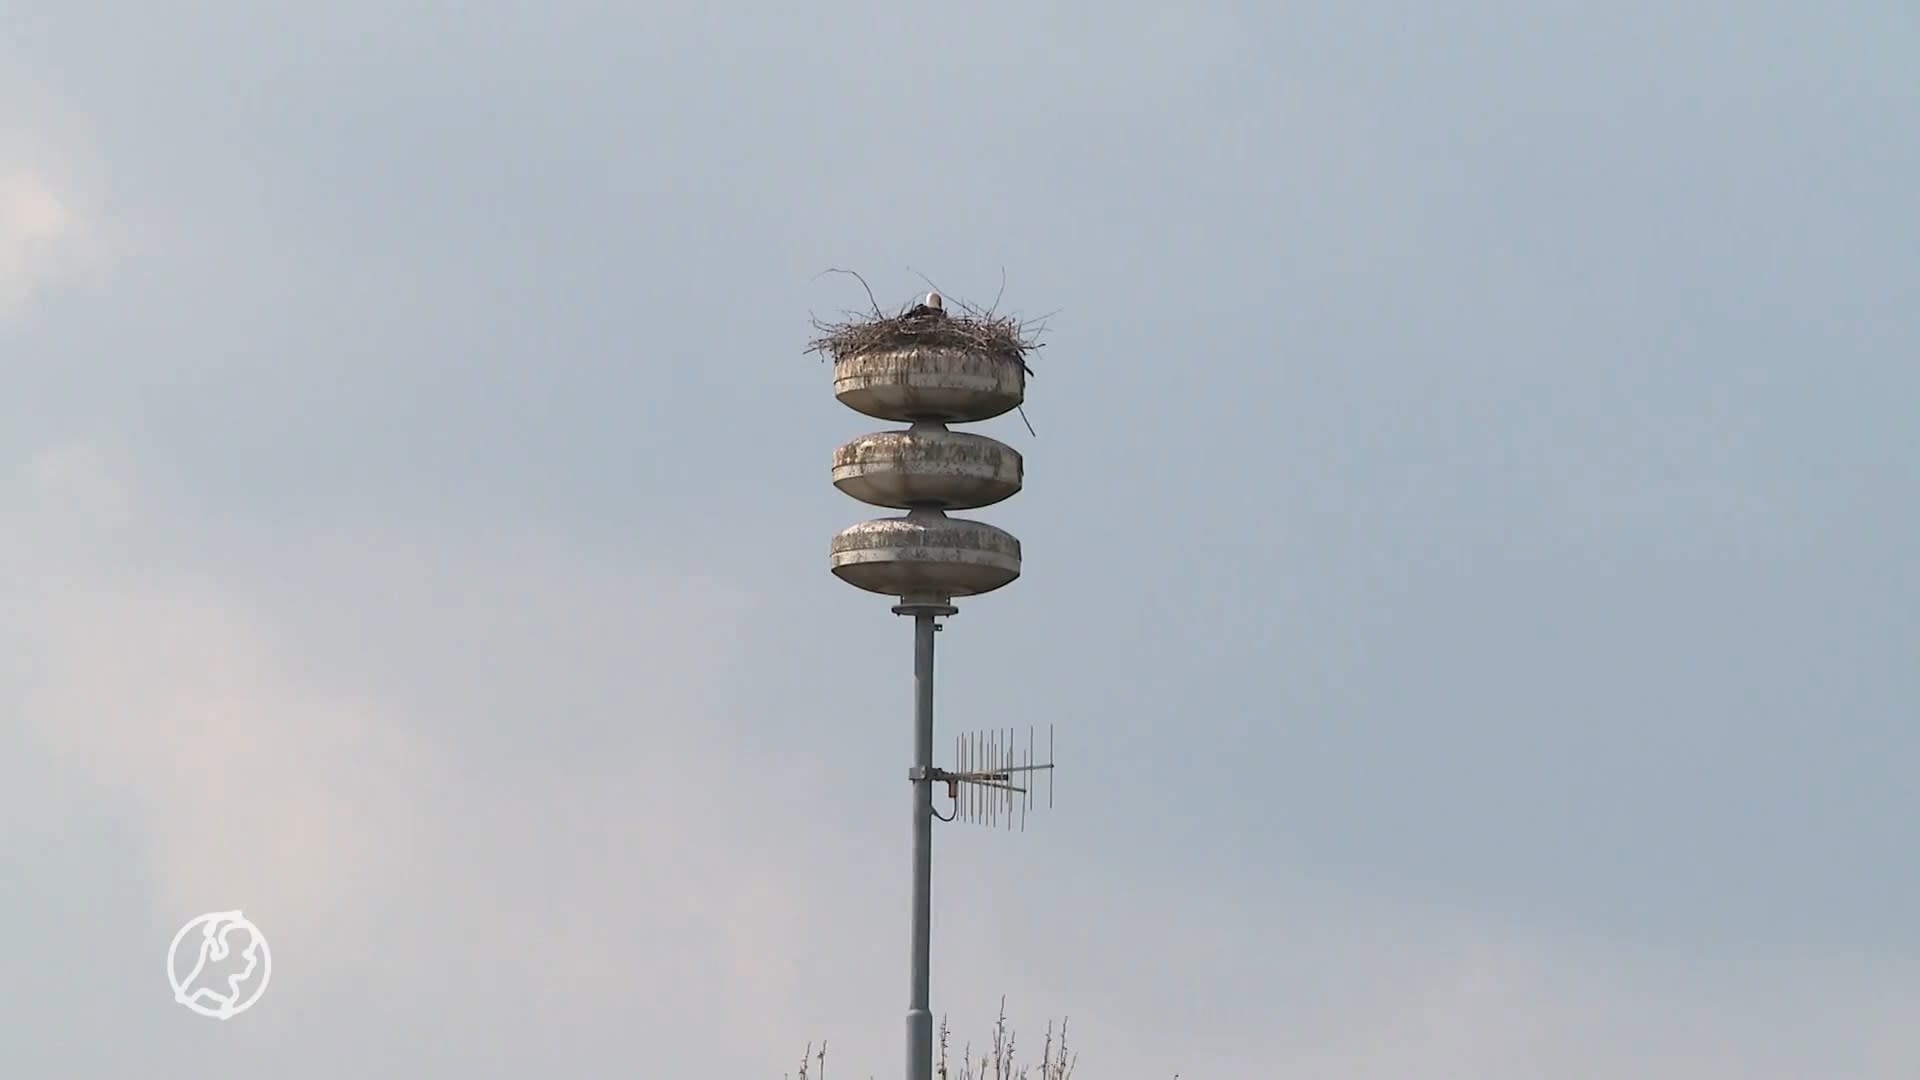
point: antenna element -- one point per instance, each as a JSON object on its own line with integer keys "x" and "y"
{"x": 999, "y": 775}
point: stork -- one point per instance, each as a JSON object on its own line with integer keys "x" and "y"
{"x": 931, "y": 307}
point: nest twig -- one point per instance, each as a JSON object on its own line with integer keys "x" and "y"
{"x": 999, "y": 336}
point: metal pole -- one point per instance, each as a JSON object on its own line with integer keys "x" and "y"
{"x": 919, "y": 1016}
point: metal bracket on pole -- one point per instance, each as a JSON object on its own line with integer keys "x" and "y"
{"x": 937, "y": 610}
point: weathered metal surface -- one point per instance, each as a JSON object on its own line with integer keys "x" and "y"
{"x": 925, "y": 553}
{"x": 929, "y": 467}
{"x": 944, "y": 383}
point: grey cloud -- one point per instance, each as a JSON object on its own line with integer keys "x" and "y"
{"x": 1470, "y": 479}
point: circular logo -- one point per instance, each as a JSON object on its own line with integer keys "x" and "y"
{"x": 219, "y": 964}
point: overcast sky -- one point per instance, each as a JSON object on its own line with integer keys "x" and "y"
{"x": 1472, "y": 536}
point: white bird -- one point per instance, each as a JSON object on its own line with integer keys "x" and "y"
{"x": 931, "y": 307}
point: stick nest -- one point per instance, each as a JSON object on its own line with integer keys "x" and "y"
{"x": 998, "y": 336}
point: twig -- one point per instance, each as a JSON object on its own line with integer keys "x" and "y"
{"x": 856, "y": 276}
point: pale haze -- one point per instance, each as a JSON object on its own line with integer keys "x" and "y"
{"x": 1472, "y": 535}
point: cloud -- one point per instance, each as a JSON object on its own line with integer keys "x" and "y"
{"x": 503, "y": 858}
{"x": 1315, "y": 981}
{"x": 42, "y": 233}
{"x": 481, "y": 793}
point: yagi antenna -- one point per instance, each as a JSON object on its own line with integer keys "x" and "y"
{"x": 994, "y": 778}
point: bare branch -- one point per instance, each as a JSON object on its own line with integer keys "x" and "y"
{"x": 856, "y": 276}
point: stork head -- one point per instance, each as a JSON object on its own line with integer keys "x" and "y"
{"x": 933, "y": 301}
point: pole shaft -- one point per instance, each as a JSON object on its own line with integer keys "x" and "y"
{"x": 919, "y": 1015}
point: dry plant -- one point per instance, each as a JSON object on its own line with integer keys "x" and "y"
{"x": 996, "y": 1062}
{"x": 982, "y": 329}
{"x": 812, "y": 1057}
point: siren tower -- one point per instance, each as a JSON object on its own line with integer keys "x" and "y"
{"x": 926, "y": 558}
